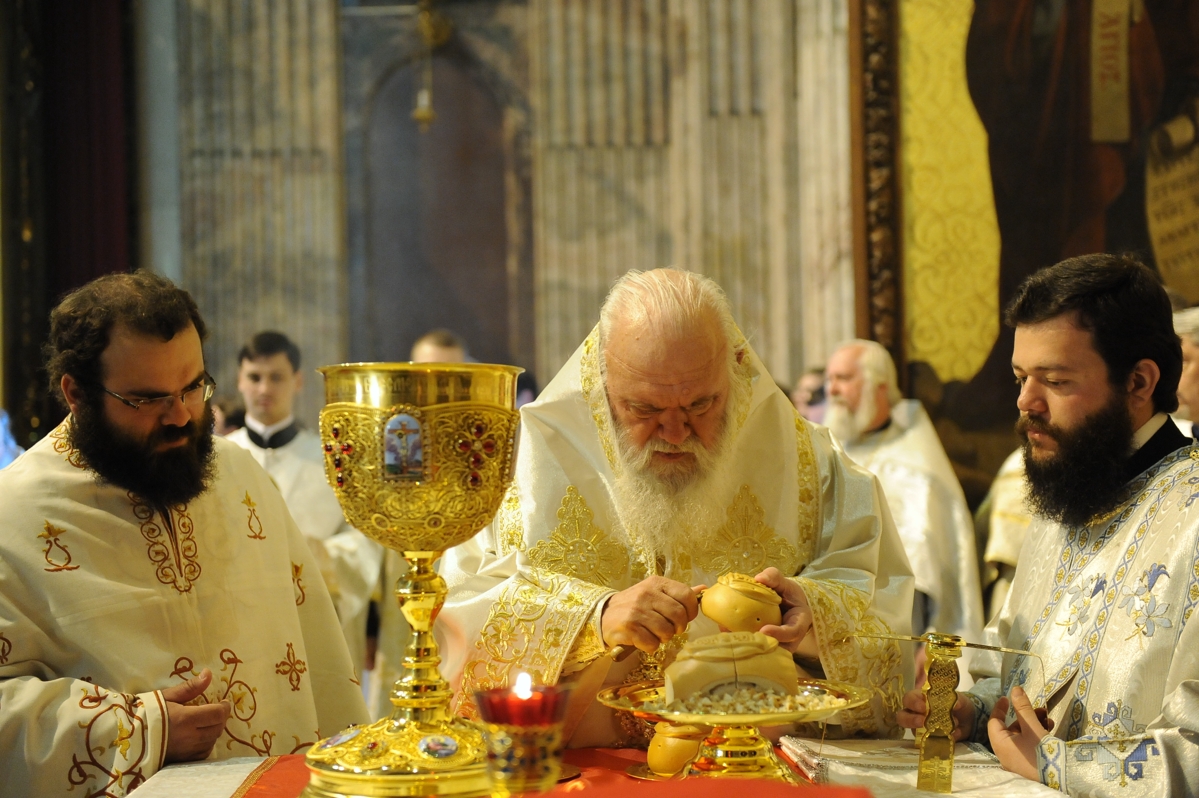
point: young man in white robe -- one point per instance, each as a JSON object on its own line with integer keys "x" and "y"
{"x": 157, "y": 602}
{"x": 1107, "y": 701}
{"x": 269, "y": 379}
{"x": 894, "y": 439}
{"x": 661, "y": 456}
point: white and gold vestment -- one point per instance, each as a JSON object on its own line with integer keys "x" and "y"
{"x": 105, "y": 602}
{"x": 931, "y": 514}
{"x": 350, "y": 561}
{"x": 1107, "y": 607}
{"x": 527, "y": 593}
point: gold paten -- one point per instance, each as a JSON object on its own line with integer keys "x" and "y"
{"x": 420, "y": 456}
{"x": 734, "y": 748}
{"x": 940, "y": 690}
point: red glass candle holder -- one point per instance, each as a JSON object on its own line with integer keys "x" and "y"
{"x": 524, "y": 737}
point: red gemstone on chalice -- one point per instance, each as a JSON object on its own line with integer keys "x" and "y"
{"x": 475, "y": 479}
{"x": 346, "y": 448}
{"x": 337, "y": 461}
{"x": 476, "y": 460}
{"x": 336, "y": 432}
{"x": 464, "y": 446}
{"x": 478, "y": 430}
{"x": 340, "y": 480}
{"x": 328, "y": 447}
{"x": 489, "y": 446}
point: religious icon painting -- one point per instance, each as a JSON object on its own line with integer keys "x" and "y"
{"x": 403, "y": 448}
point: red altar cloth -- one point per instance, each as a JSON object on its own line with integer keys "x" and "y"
{"x": 603, "y": 777}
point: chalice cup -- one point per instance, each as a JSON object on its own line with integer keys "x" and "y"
{"x": 420, "y": 456}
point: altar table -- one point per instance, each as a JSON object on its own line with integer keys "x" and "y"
{"x": 603, "y": 775}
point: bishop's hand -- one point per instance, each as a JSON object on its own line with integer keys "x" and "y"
{"x": 915, "y": 712}
{"x": 192, "y": 731}
{"x": 792, "y": 634}
{"x": 649, "y": 613}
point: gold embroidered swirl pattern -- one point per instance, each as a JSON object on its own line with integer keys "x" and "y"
{"x": 745, "y": 543}
{"x": 531, "y": 627}
{"x": 50, "y": 534}
{"x": 5, "y": 649}
{"x": 579, "y": 548}
{"x": 840, "y": 612}
{"x": 124, "y": 772}
{"x": 60, "y": 439}
{"x": 509, "y": 526}
{"x": 809, "y": 494}
{"x": 297, "y": 581}
{"x": 171, "y": 546}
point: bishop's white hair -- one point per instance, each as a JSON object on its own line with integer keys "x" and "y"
{"x": 670, "y": 301}
{"x": 1186, "y": 324}
{"x": 877, "y": 367}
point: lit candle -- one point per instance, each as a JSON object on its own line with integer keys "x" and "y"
{"x": 523, "y": 704}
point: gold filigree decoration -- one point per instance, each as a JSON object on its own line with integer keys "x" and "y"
{"x": 839, "y": 612}
{"x": 50, "y": 534}
{"x": 297, "y": 581}
{"x": 118, "y": 774}
{"x": 579, "y": 548}
{"x": 809, "y": 494}
{"x": 5, "y": 649}
{"x": 253, "y": 522}
{"x": 531, "y": 627}
{"x": 292, "y": 667}
{"x": 746, "y": 543}
{"x": 509, "y": 526}
{"x": 60, "y": 439}
{"x": 464, "y": 486}
{"x": 171, "y": 546}
{"x": 592, "y": 385}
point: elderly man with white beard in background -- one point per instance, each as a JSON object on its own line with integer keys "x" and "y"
{"x": 894, "y": 439}
{"x": 660, "y": 457}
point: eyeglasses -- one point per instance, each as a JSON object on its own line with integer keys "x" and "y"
{"x": 193, "y": 398}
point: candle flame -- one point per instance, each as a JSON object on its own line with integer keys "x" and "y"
{"x": 524, "y": 686}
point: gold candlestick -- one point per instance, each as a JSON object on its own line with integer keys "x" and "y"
{"x": 420, "y": 457}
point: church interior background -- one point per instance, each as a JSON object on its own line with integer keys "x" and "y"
{"x": 835, "y": 165}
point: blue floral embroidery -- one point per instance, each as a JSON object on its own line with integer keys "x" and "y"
{"x": 1080, "y": 603}
{"x": 1142, "y": 606}
{"x": 1122, "y": 759}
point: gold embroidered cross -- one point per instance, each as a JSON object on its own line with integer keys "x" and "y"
{"x": 292, "y": 667}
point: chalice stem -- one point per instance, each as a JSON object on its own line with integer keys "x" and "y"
{"x": 421, "y": 694}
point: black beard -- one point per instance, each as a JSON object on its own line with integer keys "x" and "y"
{"x": 1084, "y": 478}
{"x": 162, "y": 478}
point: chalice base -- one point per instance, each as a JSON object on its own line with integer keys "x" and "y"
{"x": 393, "y": 757}
{"x": 739, "y": 752}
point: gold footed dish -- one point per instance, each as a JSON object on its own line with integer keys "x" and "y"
{"x": 734, "y": 748}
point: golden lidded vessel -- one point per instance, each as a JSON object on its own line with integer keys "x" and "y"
{"x": 420, "y": 456}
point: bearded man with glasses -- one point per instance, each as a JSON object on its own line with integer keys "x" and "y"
{"x": 157, "y": 601}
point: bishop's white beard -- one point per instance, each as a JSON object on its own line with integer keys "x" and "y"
{"x": 846, "y": 426}
{"x": 664, "y": 504}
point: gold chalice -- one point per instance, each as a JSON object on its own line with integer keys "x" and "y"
{"x": 420, "y": 456}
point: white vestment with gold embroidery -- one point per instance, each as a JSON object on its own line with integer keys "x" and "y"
{"x": 1107, "y": 609}
{"x": 104, "y": 602}
{"x": 525, "y": 595}
{"x": 930, "y": 512}
{"x": 350, "y": 561}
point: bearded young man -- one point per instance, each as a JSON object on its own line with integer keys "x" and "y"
{"x": 894, "y": 439}
{"x": 660, "y": 457}
{"x": 1108, "y": 577}
{"x": 157, "y": 602}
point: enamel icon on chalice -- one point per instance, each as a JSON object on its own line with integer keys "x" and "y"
{"x": 420, "y": 456}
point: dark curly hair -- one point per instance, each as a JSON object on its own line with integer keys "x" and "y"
{"x": 1121, "y": 303}
{"x": 81, "y": 323}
